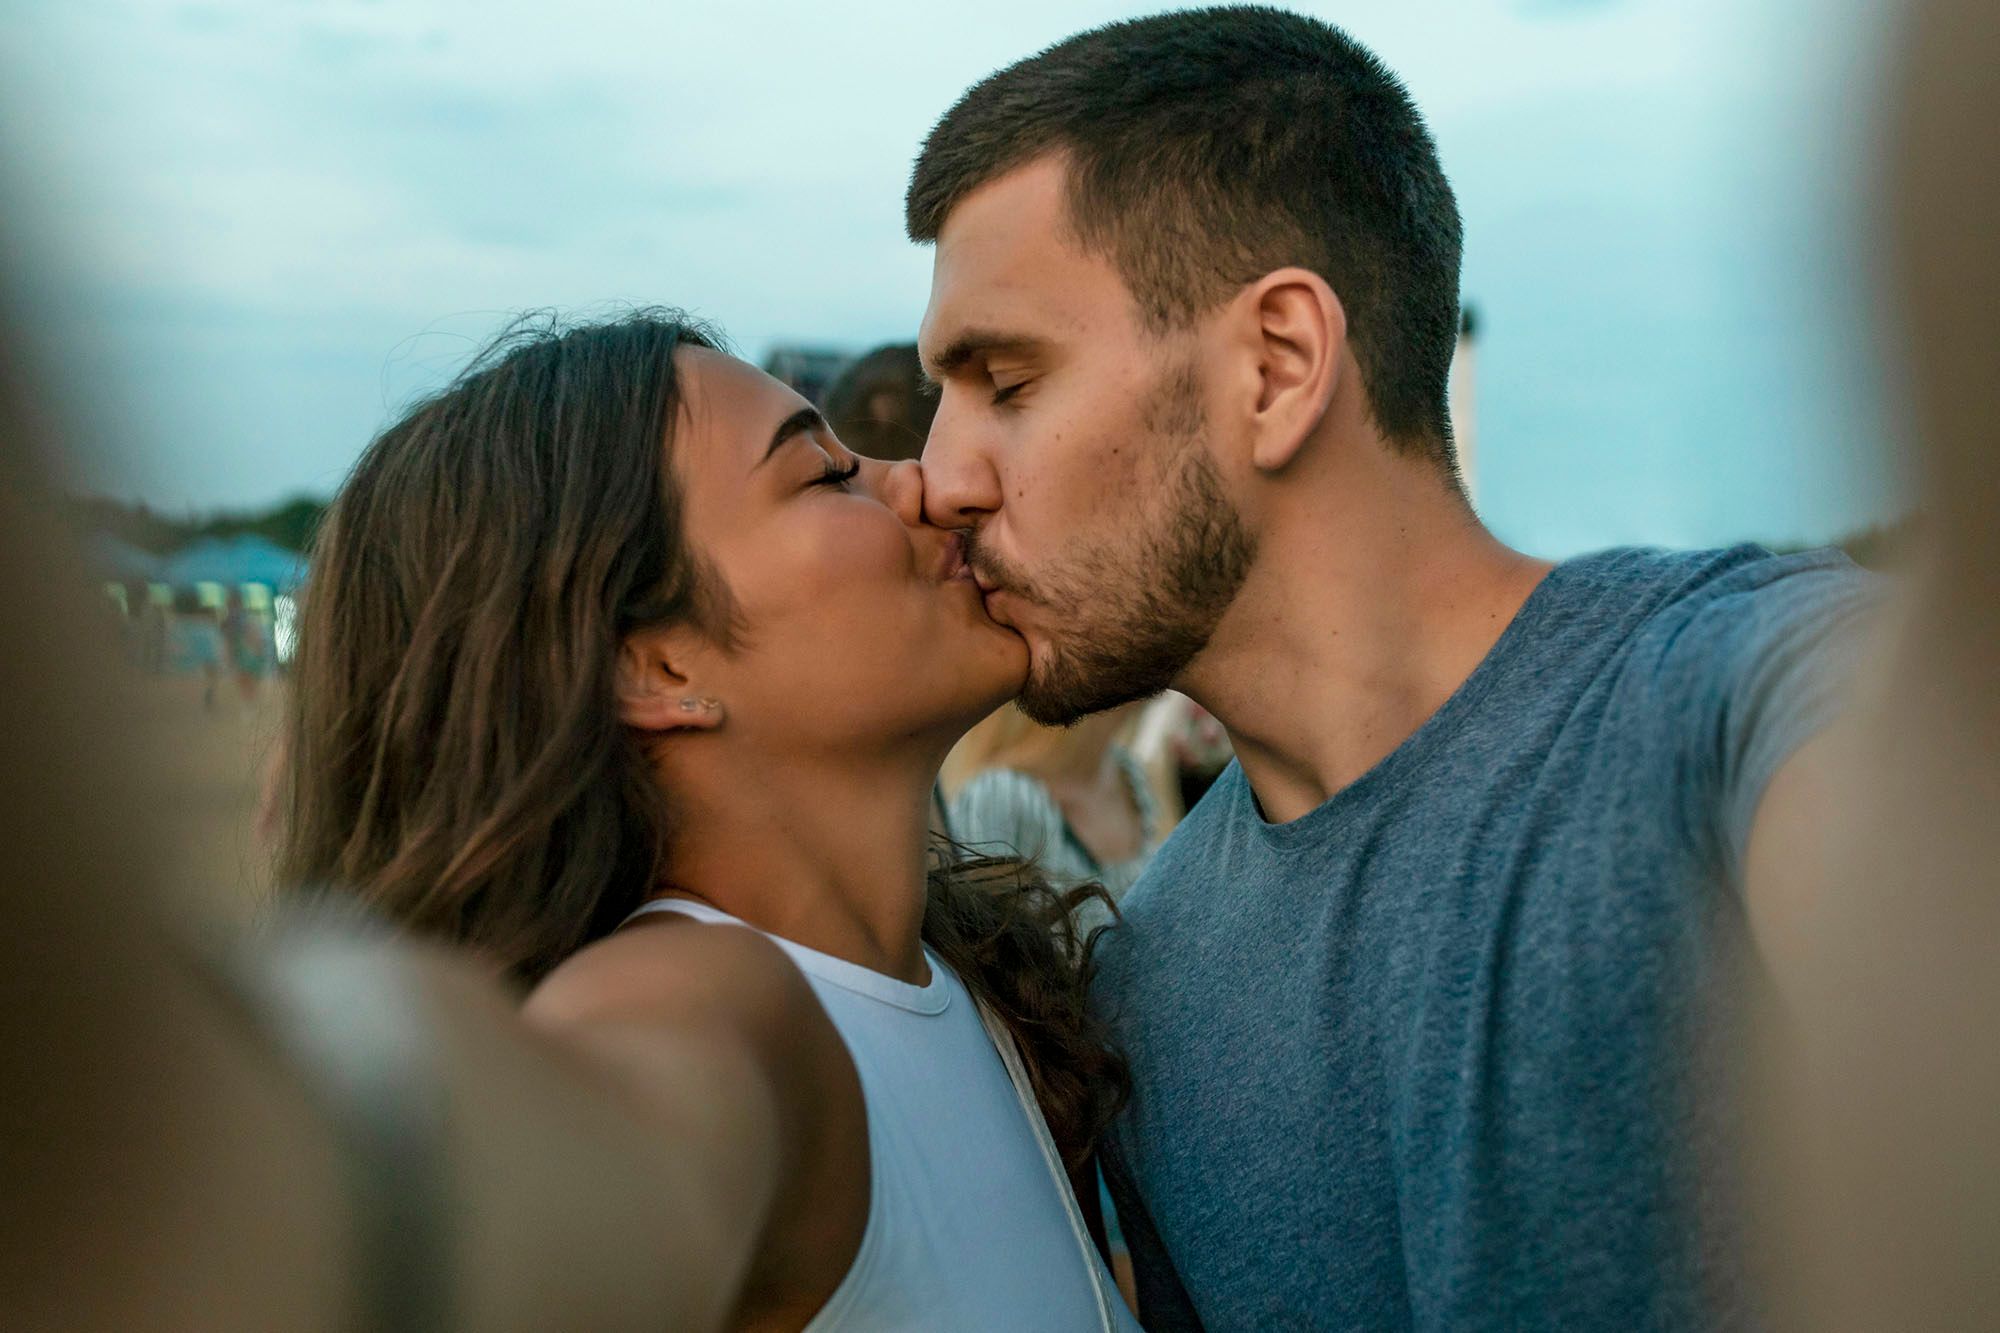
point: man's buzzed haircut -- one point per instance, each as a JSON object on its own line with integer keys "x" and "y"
{"x": 1212, "y": 146}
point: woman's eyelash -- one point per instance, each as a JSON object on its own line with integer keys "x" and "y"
{"x": 1002, "y": 395}
{"x": 834, "y": 476}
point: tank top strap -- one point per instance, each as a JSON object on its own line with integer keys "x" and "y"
{"x": 933, "y": 997}
{"x": 1109, "y": 1302}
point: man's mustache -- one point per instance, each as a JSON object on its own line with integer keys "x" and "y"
{"x": 990, "y": 569}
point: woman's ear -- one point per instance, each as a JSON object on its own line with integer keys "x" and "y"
{"x": 1300, "y": 332}
{"x": 653, "y": 695}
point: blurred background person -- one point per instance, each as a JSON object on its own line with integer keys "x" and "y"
{"x": 881, "y": 406}
{"x": 198, "y": 643}
{"x": 1076, "y": 801}
{"x": 808, "y": 370}
{"x": 150, "y": 616}
{"x": 246, "y": 646}
{"x": 1183, "y": 748}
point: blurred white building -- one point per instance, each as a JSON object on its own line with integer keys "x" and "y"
{"x": 1464, "y": 408}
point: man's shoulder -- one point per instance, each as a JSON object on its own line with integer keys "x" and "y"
{"x": 1658, "y": 607}
{"x": 1747, "y": 602}
{"x": 1196, "y": 844}
{"x": 1650, "y": 579}
{"x": 1665, "y": 578}
{"x": 1163, "y": 911}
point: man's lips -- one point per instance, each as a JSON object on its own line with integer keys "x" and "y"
{"x": 993, "y": 596}
{"x": 988, "y": 596}
{"x": 961, "y": 569}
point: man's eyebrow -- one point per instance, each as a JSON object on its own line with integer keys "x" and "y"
{"x": 802, "y": 422}
{"x": 975, "y": 343}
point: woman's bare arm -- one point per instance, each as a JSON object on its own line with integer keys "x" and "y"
{"x": 712, "y": 1034}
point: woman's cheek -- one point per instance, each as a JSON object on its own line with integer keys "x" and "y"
{"x": 871, "y": 545}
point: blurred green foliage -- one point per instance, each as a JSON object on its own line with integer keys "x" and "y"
{"x": 290, "y": 524}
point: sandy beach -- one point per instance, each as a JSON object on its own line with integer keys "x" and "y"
{"x": 206, "y": 767}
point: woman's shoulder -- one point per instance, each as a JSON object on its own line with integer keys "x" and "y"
{"x": 683, "y": 972}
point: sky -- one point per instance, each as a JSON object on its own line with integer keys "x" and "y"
{"x": 256, "y": 228}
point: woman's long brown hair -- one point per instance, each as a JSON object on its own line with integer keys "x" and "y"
{"x": 456, "y": 759}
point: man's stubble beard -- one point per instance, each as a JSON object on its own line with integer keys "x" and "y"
{"x": 1128, "y": 615}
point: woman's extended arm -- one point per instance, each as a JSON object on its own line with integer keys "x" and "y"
{"x": 712, "y": 1034}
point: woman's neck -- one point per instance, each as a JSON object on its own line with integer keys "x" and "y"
{"x": 832, "y": 857}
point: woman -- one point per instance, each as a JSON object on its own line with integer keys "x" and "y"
{"x": 611, "y": 651}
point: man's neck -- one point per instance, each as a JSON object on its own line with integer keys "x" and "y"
{"x": 826, "y": 855}
{"x": 1369, "y": 605}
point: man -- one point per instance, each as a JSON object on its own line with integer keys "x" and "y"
{"x": 1417, "y": 998}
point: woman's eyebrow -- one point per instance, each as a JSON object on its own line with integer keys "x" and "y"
{"x": 802, "y": 422}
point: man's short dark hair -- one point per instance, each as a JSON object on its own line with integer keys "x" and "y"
{"x": 1209, "y": 147}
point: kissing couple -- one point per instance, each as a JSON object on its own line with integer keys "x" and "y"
{"x": 620, "y": 670}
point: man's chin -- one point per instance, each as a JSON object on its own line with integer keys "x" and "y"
{"x": 1062, "y": 690}
{"x": 998, "y": 604}
{"x": 1050, "y": 699}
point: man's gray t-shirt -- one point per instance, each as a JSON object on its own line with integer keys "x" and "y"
{"x": 1427, "y": 1057}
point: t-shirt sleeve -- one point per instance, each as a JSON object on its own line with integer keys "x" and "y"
{"x": 1746, "y": 672}
{"x": 1004, "y": 813}
{"x": 1164, "y": 1305}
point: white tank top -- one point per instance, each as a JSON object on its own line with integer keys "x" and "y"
{"x": 971, "y": 1225}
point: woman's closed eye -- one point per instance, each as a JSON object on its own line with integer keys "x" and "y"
{"x": 837, "y": 476}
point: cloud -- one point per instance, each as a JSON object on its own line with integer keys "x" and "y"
{"x": 1562, "y": 8}
{"x": 275, "y": 222}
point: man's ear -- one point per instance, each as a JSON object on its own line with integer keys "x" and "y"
{"x": 657, "y": 690}
{"x": 1298, "y": 333}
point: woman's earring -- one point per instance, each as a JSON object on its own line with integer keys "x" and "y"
{"x": 689, "y": 705}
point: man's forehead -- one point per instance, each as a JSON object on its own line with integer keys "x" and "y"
{"x": 1032, "y": 197}
{"x": 1007, "y": 259}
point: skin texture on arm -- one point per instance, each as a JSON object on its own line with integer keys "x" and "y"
{"x": 711, "y": 1031}
{"x": 1881, "y": 1121}
{"x": 1789, "y": 856}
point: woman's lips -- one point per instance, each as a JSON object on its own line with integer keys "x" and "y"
{"x": 955, "y": 568}
{"x": 952, "y": 567}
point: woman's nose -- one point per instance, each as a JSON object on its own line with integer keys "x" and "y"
{"x": 903, "y": 491}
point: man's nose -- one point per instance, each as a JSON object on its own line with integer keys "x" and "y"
{"x": 961, "y": 487}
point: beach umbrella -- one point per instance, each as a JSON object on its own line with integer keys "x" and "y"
{"x": 235, "y": 560}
